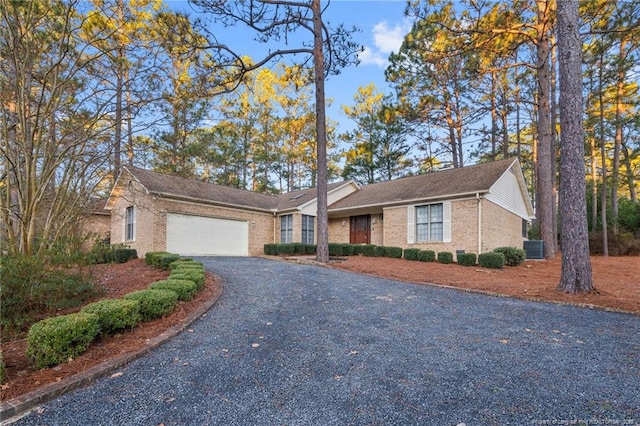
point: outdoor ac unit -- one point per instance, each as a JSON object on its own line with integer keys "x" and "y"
{"x": 534, "y": 249}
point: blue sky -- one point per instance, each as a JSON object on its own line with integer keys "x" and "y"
{"x": 382, "y": 28}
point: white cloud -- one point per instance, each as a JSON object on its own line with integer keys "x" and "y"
{"x": 369, "y": 56}
{"x": 386, "y": 40}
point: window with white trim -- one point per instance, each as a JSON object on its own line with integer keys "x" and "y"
{"x": 308, "y": 229}
{"x": 130, "y": 224}
{"x": 286, "y": 228}
{"x": 429, "y": 223}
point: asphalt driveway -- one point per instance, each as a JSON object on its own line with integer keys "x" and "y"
{"x": 291, "y": 344}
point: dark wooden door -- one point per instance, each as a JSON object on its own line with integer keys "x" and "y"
{"x": 360, "y": 231}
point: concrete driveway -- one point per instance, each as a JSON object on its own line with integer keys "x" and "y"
{"x": 306, "y": 345}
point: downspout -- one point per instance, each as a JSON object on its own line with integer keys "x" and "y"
{"x": 479, "y": 222}
{"x": 274, "y": 227}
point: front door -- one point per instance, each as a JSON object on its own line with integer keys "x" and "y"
{"x": 360, "y": 231}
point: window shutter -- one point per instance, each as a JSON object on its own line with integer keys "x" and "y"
{"x": 411, "y": 224}
{"x": 446, "y": 221}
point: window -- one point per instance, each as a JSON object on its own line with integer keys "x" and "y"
{"x": 286, "y": 228}
{"x": 308, "y": 229}
{"x": 429, "y": 223}
{"x": 130, "y": 224}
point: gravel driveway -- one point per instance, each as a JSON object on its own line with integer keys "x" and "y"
{"x": 291, "y": 344}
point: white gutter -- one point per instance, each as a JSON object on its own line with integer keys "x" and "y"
{"x": 413, "y": 201}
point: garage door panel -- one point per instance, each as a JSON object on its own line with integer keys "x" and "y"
{"x": 199, "y": 235}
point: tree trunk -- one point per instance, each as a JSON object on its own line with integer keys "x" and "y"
{"x": 545, "y": 176}
{"x": 615, "y": 172}
{"x": 322, "y": 252}
{"x": 576, "y": 264}
{"x": 603, "y": 200}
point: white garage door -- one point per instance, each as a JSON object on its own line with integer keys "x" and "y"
{"x": 198, "y": 235}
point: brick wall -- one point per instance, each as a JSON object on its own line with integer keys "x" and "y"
{"x": 500, "y": 228}
{"x": 151, "y": 220}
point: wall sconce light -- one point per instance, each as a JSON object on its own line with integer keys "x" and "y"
{"x": 374, "y": 220}
{"x": 344, "y": 223}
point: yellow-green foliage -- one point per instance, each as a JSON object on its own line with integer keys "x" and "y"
{"x": 196, "y": 276}
{"x": 115, "y": 314}
{"x": 58, "y": 339}
{"x": 154, "y": 303}
{"x": 185, "y": 289}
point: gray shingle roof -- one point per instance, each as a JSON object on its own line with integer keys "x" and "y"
{"x": 179, "y": 187}
{"x": 446, "y": 183}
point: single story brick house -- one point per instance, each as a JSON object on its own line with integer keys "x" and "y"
{"x": 475, "y": 208}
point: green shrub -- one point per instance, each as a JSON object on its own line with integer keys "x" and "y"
{"x": 100, "y": 253}
{"x": 335, "y": 249}
{"x": 154, "y": 303}
{"x": 379, "y": 251}
{"x": 368, "y": 250}
{"x": 347, "y": 249}
{"x": 427, "y": 256}
{"x": 165, "y": 260}
{"x": 309, "y": 249}
{"x": 411, "y": 253}
{"x": 491, "y": 260}
{"x": 186, "y": 265}
{"x": 197, "y": 277}
{"x": 394, "y": 252}
{"x": 115, "y": 314}
{"x": 286, "y": 249}
{"x": 445, "y": 257}
{"x": 466, "y": 259}
{"x": 123, "y": 255}
{"x": 152, "y": 258}
{"x": 55, "y": 340}
{"x": 298, "y": 248}
{"x": 30, "y": 289}
{"x": 270, "y": 249}
{"x": 185, "y": 289}
{"x": 357, "y": 248}
{"x": 512, "y": 256}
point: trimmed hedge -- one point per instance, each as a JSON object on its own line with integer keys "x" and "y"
{"x": 185, "y": 289}
{"x": 55, "y": 340}
{"x": 335, "y": 249}
{"x": 445, "y": 257}
{"x": 285, "y": 249}
{"x": 357, "y": 249}
{"x": 298, "y": 248}
{"x": 123, "y": 255}
{"x": 165, "y": 260}
{"x": 512, "y": 256}
{"x": 115, "y": 314}
{"x": 198, "y": 266}
{"x": 427, "y": 256}
{"x": 310, "y": 249}
{"x": 271, "y": 249}
{"x": 467, "y": 259}
{"x": 348, "y": 249}
{"x": 379, "y": 251}
{"x": 394, "y": 252}
{"x": 151, "y": 258}
{"x": 368, "y": 250}
{"x": 491, "y": 260}
{"x": 196, "y": 276}
{"x": 154, "y": 303}
{"x": 411, "y": 253}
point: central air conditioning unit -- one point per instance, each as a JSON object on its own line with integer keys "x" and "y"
{"x": 534, "y": 249}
